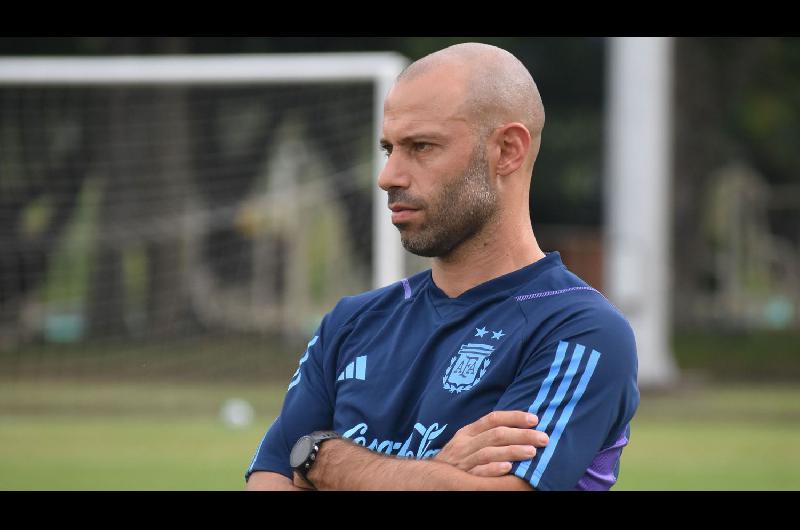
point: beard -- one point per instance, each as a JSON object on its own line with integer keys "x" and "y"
{"x": 460, "y": 209}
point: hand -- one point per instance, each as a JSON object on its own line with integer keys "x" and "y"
{"x": 487, "y": 447}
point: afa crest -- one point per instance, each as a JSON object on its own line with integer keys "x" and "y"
{"x": 467, "y": 367}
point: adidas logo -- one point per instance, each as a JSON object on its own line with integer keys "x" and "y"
{"x": 355, "y": 370}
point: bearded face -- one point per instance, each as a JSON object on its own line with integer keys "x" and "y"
{"x": 460, "y": 209}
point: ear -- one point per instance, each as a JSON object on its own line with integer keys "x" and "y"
{"x": 514, "y": 141}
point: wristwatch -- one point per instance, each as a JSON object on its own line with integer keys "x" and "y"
{"x": 305, "y": 451}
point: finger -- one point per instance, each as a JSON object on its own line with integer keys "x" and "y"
{"x": 505, "y": 418}
{"x": 487, "y": 455}
{"x": 502, "y": 436}
{"x": 494, "y": 469}
{"x": 510, "y": 453}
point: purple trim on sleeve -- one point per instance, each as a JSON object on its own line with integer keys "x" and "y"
{"x": 407, "y": 288}
{"x": 553, "y": 293}
{"x": 600, "y": 474}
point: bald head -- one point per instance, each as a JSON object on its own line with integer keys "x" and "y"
{"x": 499, "y": 89}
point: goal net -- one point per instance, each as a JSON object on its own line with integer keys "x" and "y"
{"x": 186, "y": 216}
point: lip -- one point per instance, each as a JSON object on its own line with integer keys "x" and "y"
{"x": 401, "y": 212}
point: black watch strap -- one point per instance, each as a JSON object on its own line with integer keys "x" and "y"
{"x": 305, "y": 451}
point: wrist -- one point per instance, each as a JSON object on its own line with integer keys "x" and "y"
{"x": 329, "y": 455}
{"x": 305, "y": 452}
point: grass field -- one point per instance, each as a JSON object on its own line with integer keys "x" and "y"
{"x": 715, "y": 438}
{"x": 102, "y": 436}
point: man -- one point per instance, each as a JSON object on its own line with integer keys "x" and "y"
{"x": 497, "y": 368}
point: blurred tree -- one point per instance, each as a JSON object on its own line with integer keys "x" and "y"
{"x": 736, "y": 100}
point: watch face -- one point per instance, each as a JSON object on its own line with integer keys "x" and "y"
{"x": 300, "y": 451}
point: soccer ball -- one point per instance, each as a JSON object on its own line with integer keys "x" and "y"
{"x": 237, "y": 413}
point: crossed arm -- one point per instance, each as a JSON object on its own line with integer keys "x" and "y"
{"x": 477, "y": 458}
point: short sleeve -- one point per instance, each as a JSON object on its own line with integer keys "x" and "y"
{"x": 581, "y": 383}
{"x": 307, "y": 407}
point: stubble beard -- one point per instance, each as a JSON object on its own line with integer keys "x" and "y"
{"x": 460, "y": 210}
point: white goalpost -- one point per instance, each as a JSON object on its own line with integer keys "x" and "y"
{"x": 637, "y": 232}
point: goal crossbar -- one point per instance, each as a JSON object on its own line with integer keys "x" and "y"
{"x": 204, "y": 69}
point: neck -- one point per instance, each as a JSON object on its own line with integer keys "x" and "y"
{"x": 500, "y": 248}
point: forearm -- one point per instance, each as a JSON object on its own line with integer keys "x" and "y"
{"x": 342, "y": 465}
{"x": 267, "y": 481}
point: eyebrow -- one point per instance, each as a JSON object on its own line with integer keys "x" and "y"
{"x": 416, "y": 137}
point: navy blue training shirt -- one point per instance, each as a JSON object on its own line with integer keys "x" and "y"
{"x": 402, "y": 368}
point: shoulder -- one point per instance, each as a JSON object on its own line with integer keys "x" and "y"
{"x": 560, "y": 306}
{"x": 595, "y": 323}
{"x": 386, "y": 298}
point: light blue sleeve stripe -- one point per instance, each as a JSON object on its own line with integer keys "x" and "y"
{"x": 361, "y": 368}
{"x": 562, "y": 388}
{"x": 297, "y": 375}
{"x": 348, "y": 371}
{"x": 564, "y": 419}
{"x": 548, "y": 382}
{"x": 544, "y": 390}
{"x": 544, "y": 422}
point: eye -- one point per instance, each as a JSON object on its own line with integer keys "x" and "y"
{"x": 421, "y": 147}
{"x": 387, "y": 149}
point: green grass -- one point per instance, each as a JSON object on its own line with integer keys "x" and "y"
{"x": 713, "y": 455}
{"x": 715, "y": 438}
{"x": 107, "y": 453}
{"x": 126, "y": 436}
{"x": 63, "y": 435}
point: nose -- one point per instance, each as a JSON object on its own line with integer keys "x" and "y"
{"x": 394, "y": 174}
